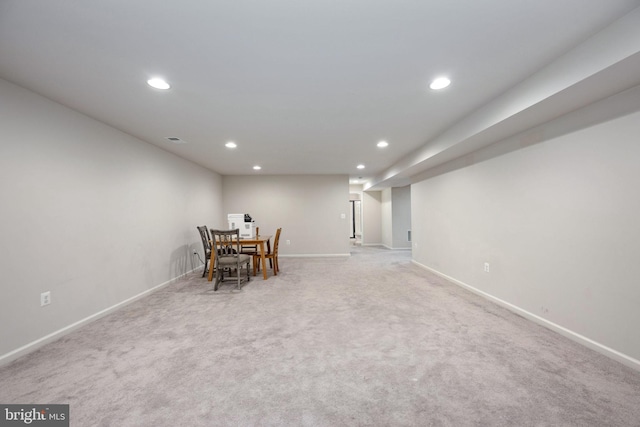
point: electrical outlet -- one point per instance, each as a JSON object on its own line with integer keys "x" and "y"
{"x": 45, "y": 298}
{"x": 486, "y": 267}
{"x": 288, "y": 242}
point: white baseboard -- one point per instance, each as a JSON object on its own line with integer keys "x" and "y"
{"x": 600, "y": 348}
{"x": 34, "y": 345}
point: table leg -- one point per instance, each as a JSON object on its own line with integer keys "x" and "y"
{"x": 264, "y": 261}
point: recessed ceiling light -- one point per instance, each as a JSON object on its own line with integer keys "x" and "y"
{"x": 360, "y": 166}
{"x": 440, "y": 83}
{"x": 257, "y": 168}
{"x": 383, "y": 144}
{"x": 158, "y": 83}
{"x": 230, "y": 144}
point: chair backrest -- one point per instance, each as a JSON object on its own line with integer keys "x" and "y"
{"x": 206, "y": 239}
{"x": 276, "y": 240}
{"x": 227, "y": 242}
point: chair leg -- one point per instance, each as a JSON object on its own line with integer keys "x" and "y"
{"x": 204, "y": 272}
{"x": 218, "y": 279}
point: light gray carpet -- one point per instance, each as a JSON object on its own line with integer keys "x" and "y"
{"x": 370, "y": 340}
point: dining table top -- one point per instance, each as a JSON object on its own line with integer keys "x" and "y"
{"x": 256, "y": 239}
{"x": 252, "y": 240}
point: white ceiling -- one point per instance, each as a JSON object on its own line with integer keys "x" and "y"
{"x": 303, "y": 87}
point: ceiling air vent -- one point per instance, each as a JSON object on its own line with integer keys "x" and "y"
{"x": 175, "y": 140}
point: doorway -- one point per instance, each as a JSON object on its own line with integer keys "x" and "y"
{"x": 355, "y": 218}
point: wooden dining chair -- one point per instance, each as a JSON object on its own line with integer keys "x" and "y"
{"x": 228, "y": 257}
{"x": 206, "y": 245}
{"x": 271, "y": 256}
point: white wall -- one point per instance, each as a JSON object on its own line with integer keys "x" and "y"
{"x": 386, "y": 217}
{"x": 355, "y": 192}
{"x": 307, "y": 207}
{"x": 89, "y": 213}
{"x": 558, "y": 223}
{"x": 372, "y": 218}
{"x": 401, "y": 216}
{"x": 395, "y": 216}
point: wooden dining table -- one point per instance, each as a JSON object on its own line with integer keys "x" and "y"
{"x": 258, "y": 241}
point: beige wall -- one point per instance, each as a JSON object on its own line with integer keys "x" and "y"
{"x": 309, "y": 209}
{"x": 557, "y": 221}
{"x": 89, "y": 213}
